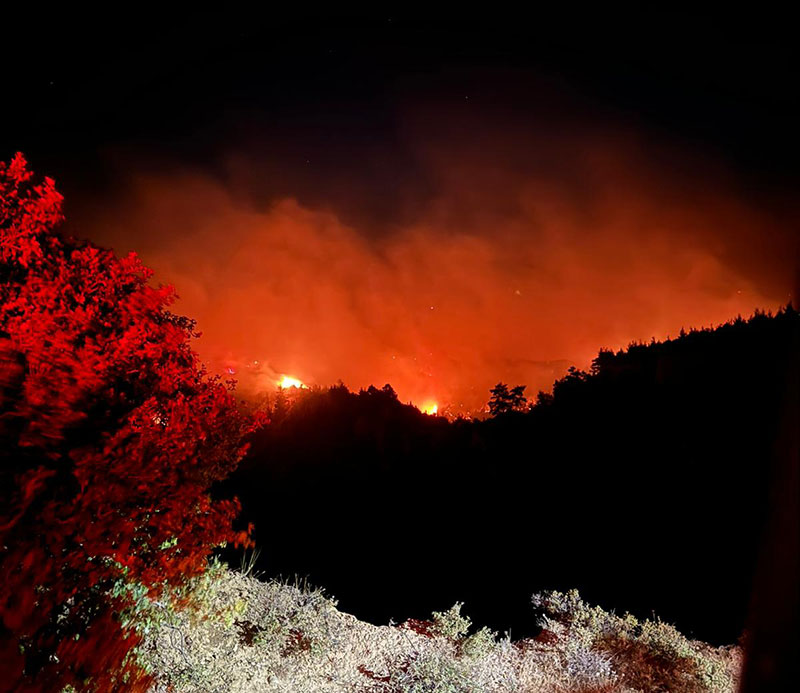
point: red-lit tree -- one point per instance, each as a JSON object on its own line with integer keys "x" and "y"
{"x": 111, "y": 434}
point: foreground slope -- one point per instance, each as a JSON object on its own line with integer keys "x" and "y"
{"x": 244, "y": 635}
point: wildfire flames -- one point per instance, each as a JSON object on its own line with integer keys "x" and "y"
{"x": 287, "y": 381}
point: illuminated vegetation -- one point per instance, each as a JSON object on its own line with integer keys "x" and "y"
{"x": 110, "y": 437}
{"x": 255, "y": 636}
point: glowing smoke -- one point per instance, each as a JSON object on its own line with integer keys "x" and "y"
{"x": 511, "y": 271}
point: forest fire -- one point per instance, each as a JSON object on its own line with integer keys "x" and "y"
{"x": 526, "y": 274}
{"x": 470, "y": 312}
{"x": 287, "y": 381}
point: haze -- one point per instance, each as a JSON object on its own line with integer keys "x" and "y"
{"x": 521, "y": 247}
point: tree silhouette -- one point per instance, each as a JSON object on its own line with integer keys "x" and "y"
{"x": 504, "y": 400}
{"x": 575, "y": 378}
{"x": 111, "y": 434}
{"x": 663, "y": 438}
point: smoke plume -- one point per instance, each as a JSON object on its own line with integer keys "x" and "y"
{"x": 522, "y": 248}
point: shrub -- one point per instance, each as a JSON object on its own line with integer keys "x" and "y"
{"x": 451, "y": 623}
{"x": 643, "y": 655}
{"x": 110, "y": 436}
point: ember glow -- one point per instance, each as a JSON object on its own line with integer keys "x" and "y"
{"x": 431, "y": 408}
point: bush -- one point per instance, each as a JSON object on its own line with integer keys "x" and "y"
{"x": 643, "y": 655}
{"x": 451, "y": 623}
{"x": 110, "y": 436}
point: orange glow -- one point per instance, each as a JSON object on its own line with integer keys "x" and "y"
{"x": 527, "y": 257}
{"x": 287, "y": 382}
{"x": 430, "y": 408}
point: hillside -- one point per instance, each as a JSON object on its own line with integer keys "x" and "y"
{"x": 242, "y": 635}
{"x": 642, "y": 483}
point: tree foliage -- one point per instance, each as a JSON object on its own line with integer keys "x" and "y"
{"x": 505, "y": 399}
{"x": 111, "y": 433}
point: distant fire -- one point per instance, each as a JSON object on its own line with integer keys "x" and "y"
{"x": 287, "y": 381}
{"x": 509, "y": 273}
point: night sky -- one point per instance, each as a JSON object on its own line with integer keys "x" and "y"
{"x": 80, "y": 82}
{"x": 435, "y": 202}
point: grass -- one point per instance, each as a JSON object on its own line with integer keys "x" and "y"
{"x": 241, "y": 634}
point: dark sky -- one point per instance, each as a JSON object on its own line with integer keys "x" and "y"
{"x": 416, "y": 188}
{"x": 79, "y": 81}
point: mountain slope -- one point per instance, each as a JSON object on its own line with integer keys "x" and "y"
{"x": 643, "y": 483}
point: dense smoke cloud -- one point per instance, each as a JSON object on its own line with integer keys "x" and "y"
{"x": 530, "y": 249}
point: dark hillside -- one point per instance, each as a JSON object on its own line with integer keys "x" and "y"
{"x": 642, "y": 483}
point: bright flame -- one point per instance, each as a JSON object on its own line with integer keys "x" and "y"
{"x": 288, "y": 382}
{"x": 431, "y": 408}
